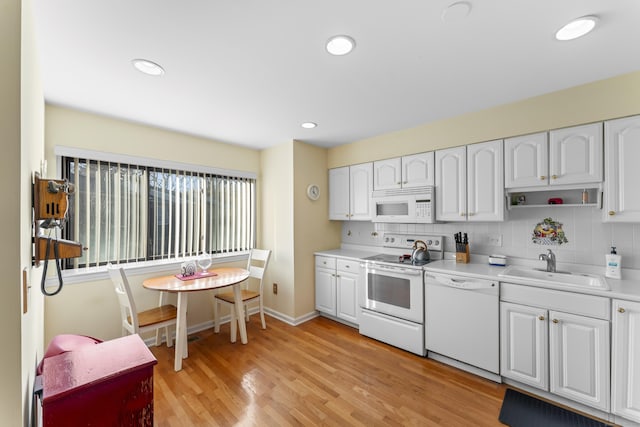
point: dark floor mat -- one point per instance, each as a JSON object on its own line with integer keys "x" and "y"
{"x": 521, "y": 410}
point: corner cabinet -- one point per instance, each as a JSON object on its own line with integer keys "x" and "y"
{"x": 350, "y": 190}
{"x": 569, "y": 156}
{"x": 337, "y": 282}
{"x": 625, "y": 392}
{"x": 469, "y": 183}
{"x": 404, "y": 172}
{"x": 621, "y": 154}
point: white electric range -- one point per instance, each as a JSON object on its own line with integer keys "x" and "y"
{"x": 392, "y": 293}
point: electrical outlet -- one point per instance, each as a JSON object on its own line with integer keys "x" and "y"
{"x": 275, "y": 289}
{"x": 495, "y": 240}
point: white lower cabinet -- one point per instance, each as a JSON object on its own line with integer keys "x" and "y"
{"x": 523, "y": 344}
{"x": 579, "y": 359}
{"x": 326, "y": 285}
{"x": 544, "y": 346}
{"x": 625, "y": 372}
{"x": 337, "y": 282}
{"x": 347, "y": 290}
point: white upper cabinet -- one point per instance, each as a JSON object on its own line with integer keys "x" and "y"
{"x": 485, "y": 182}
{"x": 451, "y": 184}
{"x": 350, "y": 190}
{"x": 339, "y": 193}
{"x": 404, "y": 172}
{"x": 417, "y": 170}
{"x": 387, "y": 174}
{"x": 526, "y": 161}
{"x": 570, "y": 156}
{"x": 622, "y": 174}
{"x": 469, "y": 183}
{"x": 575, "y": 155}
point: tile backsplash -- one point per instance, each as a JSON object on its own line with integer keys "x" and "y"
{"x": 589, "y": 239}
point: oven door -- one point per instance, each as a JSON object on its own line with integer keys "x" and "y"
{"x": 396, "y": 291}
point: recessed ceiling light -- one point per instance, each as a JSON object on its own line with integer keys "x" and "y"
{"x": 340, "y": 45}
{"x": 576, "y": 28}
{"x": 309, "y": 125}
{"x": 456, "y": 11}
{"x": 148, "y": 67}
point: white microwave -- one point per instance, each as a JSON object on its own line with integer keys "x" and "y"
{"x": 404, "y": 205}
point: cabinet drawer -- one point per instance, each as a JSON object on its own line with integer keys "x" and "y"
{"x": 348, "y": 266}
{"x": 568, "y": 302}
{"x": 325, "y": 262}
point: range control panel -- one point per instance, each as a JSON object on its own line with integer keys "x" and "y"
{"x": 406, "y": 241}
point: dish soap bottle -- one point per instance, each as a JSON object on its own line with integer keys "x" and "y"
{"x": 613, "y": 266}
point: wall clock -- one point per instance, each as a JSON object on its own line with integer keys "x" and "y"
{"x": 313, "y": 192}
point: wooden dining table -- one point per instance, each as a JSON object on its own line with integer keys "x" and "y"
{"x": 220, "y": 278}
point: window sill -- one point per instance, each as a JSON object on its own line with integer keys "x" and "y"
{"x": 166, "y": 266}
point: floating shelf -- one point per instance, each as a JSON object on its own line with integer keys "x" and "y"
{"x": 537, "y": 198}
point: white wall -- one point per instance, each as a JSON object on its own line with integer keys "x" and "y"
{"x": 589, "y": 238}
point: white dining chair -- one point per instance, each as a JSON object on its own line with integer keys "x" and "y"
{"x": 257, "y": 265}
{"x": 134, "y": 322}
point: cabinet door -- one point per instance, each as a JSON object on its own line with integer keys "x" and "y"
{"x": 347, "y": 296}
{"x": 523, "y": 344}
{"x": 417, "y": 170}
{"x": 451, "y": 184}
{"x": 339, "y": 193}
{"x": 625, "y": 389}
{"x": 326, "y": 290}
{"x": 575, "y": 155}
{"x": 387, "y": 174}
{"x": 579, "y": 359}
{"x": 361, "y": 186}
{"x": 621, "y": 153}
{"x": 485, "y": 182}
{"x": 526, "y": 161}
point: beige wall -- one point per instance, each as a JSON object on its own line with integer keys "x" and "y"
{"x": 601, "y": 100}
{"x": 93, "y": 303}
{"x": 21, "y": 133}
{"x": 312, "y": 229}
{"x": 73, "y": 128}
{"x": 11, "y": 403}
{"x": 276, "y": 190}
{"x": 32, "y": 153}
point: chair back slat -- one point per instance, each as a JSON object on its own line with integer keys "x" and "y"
{"x": 128, "y": 312}
{"x": 261, "y": 257}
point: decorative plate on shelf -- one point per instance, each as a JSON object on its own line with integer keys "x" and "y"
{"x": 548, "y": 232}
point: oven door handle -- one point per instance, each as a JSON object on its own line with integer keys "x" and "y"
{"x": 407, "y": 271}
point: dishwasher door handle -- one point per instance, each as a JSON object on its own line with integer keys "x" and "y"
{"x": 461, "y": 283}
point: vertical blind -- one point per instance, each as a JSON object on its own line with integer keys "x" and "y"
{"x": 127, "y": 213}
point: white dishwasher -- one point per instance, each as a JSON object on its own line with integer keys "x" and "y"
{"x": 462, "y": 320}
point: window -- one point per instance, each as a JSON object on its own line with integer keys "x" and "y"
{"x": 127, "y": 213}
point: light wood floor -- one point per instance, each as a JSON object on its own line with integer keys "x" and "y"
{"x": 318, "y": 373}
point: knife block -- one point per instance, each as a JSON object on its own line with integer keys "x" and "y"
{"x": 463, "y": 257}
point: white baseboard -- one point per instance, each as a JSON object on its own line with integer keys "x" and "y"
{"x": 253, "y": 310}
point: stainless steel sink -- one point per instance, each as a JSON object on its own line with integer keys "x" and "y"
{"x": 561, "y": 278}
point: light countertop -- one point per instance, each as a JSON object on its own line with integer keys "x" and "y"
{"x": 627, "y": 288}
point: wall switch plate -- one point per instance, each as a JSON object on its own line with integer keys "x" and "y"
{"x": 275, "y": 289}
{"x": 495, "y": 240}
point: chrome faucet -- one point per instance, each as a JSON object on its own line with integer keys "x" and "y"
{"x": 550, "y": 257}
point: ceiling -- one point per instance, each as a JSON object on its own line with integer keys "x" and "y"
{"x": 249, "y": 72}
